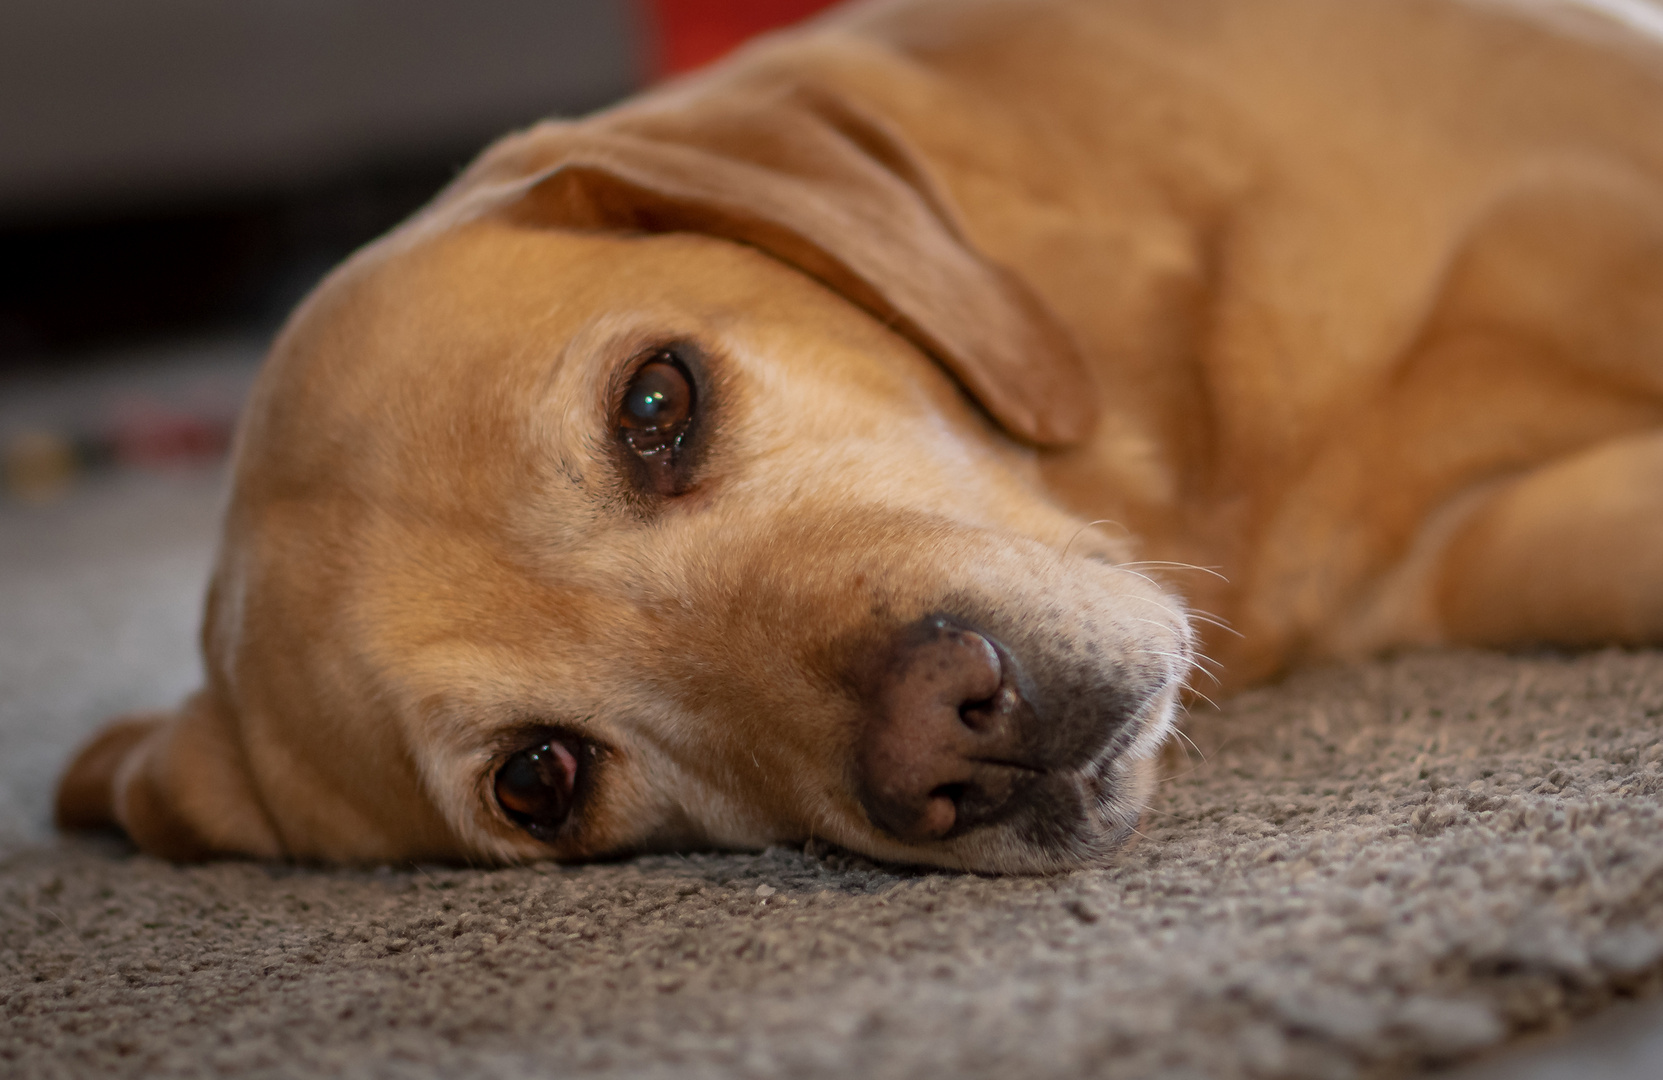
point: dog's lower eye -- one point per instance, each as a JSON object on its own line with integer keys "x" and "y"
{"x": 535, "y": 786}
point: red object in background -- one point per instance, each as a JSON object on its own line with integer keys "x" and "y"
{"x": 691, "y": 33}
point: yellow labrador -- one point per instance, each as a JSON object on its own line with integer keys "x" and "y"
{"x": 800, "y": 450}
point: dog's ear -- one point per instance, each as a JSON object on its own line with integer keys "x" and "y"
{"x": 176, "y": 783}
{"x": 797, "y": 170}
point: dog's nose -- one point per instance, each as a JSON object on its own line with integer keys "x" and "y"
{"x": 941, "y": 751}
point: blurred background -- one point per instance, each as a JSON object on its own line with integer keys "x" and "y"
{"x": 175, "y": 174}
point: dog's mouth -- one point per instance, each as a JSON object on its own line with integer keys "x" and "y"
{"x": 1082, "y": 816}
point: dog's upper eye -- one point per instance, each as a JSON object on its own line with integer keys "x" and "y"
{"x": 535, "y": 787}
{"x": 655, "y": 415}
{"x": 659, "y": 398}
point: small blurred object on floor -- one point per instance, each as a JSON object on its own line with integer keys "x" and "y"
{"x": 154, "y": 408}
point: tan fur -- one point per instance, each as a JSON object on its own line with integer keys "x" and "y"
{"x": 1358, "y": 302}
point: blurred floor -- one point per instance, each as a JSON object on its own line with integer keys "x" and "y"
{"x": 101, "y": 577}
{"x": 1623, "y": 1042}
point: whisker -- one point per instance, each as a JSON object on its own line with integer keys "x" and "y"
{"x": 1168, "y": 565}
{"x": 1194, "y": 661}
{"x": 1090, "y": 525}
{"x": 1152, "y": 622}
{"x": 1202, "y": 696}
{"x": 1180, "y": 733}
{"x": 1203, "y": 617}
{"x": 1181, "y": 616}
{"x": 1122, "y": 568}
{"x": 1191, "y": 663}
{"x": 1168, "y": 608}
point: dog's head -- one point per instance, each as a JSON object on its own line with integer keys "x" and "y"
{"x": 649, "y": 491}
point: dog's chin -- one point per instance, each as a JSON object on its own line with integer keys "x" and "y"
{"x": 1110, "y": 796}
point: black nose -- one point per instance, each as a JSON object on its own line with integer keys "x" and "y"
{"x": 941, "y": 752}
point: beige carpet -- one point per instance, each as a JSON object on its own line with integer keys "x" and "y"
{"x": 1376, "y": 869}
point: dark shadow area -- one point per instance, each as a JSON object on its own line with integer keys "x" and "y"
{"x": 77, "y": 282}
{"x": 184, "y": 167}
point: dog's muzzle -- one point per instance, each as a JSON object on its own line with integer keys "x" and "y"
{"x": 956, "y": 738}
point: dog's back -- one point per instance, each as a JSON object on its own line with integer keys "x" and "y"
{"x": 1347, "y": 275}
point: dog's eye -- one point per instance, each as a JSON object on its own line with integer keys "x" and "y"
{"x": 655, "y": 415}
{"x": 659, "y": 398}
{"x": 535, "y": 787}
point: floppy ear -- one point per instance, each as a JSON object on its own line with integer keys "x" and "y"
{"x": 802, "y": 173}
{"x": 176, "y": 783}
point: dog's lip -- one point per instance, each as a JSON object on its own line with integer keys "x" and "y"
{"x": 1098, "y": 782}
{"x": 1094, "y": 775}
{"x": 1007, "y": 763}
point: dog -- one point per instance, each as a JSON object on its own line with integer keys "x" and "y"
{"x": 864, "y": 440}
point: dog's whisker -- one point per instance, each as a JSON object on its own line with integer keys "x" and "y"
{"x": 1203, "y": 617}
{"x": 1180, "y": 733}
{"x": 1203, "y": 661}
{"x": 1191, "y": 662}
{"x": 1177, "y": 614}
{"x": 1122, "y": 568}
{"x": 1081, "y": 532}
{"x": 1138, "y": 832}
{"x": 1202, "y": 696}
{"x": 1166, "y": 564}
{"x": 1150, "y": 622}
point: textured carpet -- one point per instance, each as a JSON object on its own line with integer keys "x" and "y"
{"x": 1375, "y": 869}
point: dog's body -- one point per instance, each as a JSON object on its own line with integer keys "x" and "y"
{"x": 626, "y": 498}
